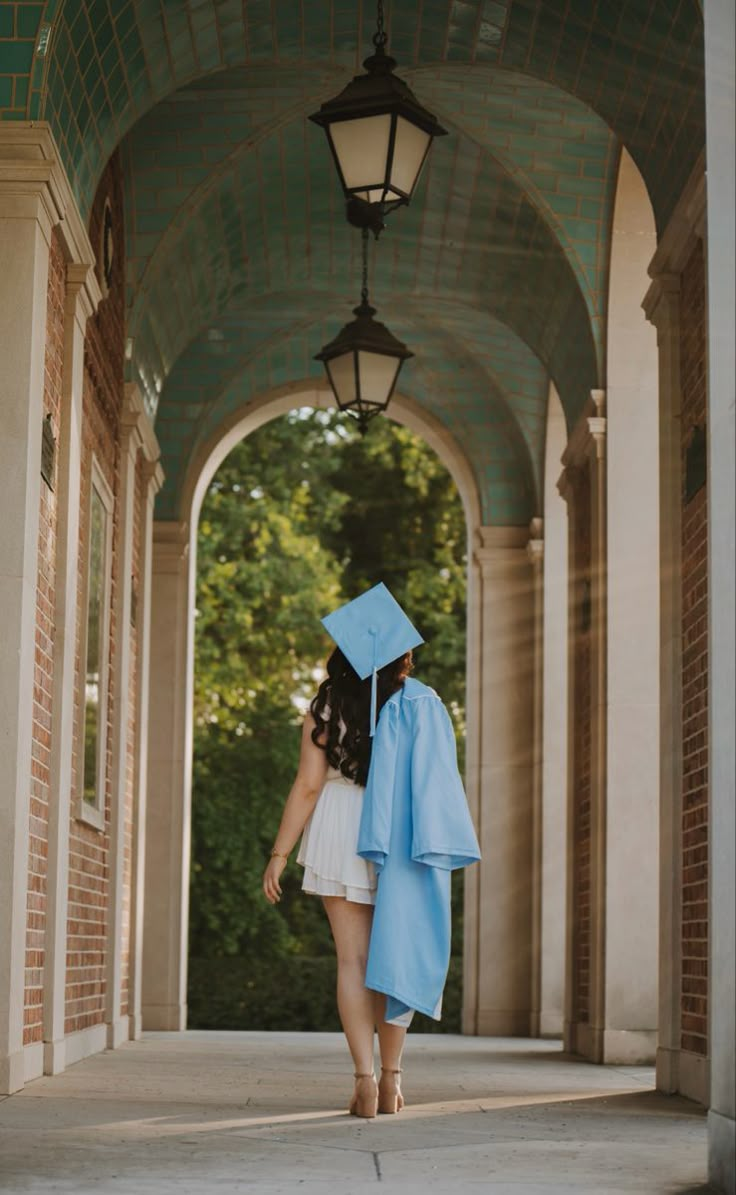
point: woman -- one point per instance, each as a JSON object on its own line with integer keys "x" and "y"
{"x": 384, "y": 821}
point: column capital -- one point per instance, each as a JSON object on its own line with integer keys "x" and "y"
{"x": 153, "y": 476}
{"x": 137, "y": 429}
{"x": 588, "y": 439}
{"x": 496, "y": 544}
{"x": 81, "y": 292}
{"x": 661, "y": 304}
{"x": 535, "y": 552}
{"x": 170, "y": 545}
{"x": 535, "y": 543}
{"x": 34, "y": 185}
{"x": 568, "y": 482}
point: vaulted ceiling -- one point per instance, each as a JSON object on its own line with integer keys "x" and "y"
{"x": 240, "y": 264}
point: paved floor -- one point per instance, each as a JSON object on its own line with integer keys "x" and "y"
{"x": 219, "y": 1113}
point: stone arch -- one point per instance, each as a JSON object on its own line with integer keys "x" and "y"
{"x": 476, "y": 405}
{"x": 172, "y": 676}
{"x": 210, "y": 454}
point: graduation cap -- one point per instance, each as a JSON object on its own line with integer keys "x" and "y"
{"x": 371, "y": 631}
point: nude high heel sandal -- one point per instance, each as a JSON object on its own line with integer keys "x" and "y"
{"x": 365, "y": 1098}
{"x": 390, "y": 1098}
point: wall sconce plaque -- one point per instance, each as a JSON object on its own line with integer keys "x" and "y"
{"x": 106, "y": 252}
{"x": 48, "y": 452}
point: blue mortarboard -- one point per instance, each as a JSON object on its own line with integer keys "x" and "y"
{"x": 371, "y": 631}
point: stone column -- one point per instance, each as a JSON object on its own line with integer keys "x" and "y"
{"x": 506, "y": 777}
{"x": 82, "y": 296}
{"x": 632, "y": 797}
{"x": 153, "y": 480}
{"x": 28, "y": 212}
{"x": 169, "y": 781}
{"x": 599, "y": 722}
{"x": 583, "y": 485}
{"x": 471, "y": 880}
{"x": 535, "y": 552}
{"x": 135, "y": 436}
{"x": 554, "y": 731}
{"x": 719, "y": 95}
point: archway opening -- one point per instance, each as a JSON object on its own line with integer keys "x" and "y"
{"x": 301, "y": 514}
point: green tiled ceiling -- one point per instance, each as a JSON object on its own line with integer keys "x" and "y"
{"x": 272, "y": 227}
{"x": 637, "y": 63}
{"x": 240, "y": 264}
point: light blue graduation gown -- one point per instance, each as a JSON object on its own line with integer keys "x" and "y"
{"x": 416, "y": 828}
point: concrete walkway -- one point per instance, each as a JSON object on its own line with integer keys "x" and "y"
{"x": 220, "y": 1113}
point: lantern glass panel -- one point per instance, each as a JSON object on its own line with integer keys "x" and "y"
{"x": 377, "y": 376}
{"x": 361, "y": 147}
{"x": 410, "y": 149}
{"x": 342, "y": 377}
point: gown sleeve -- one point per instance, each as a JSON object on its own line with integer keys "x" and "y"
{"x": 442, "y": 830}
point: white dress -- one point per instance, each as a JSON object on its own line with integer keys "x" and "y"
{"x": 327, "y": 849}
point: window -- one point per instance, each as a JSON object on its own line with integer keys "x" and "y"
{"x": 95, "y": 653}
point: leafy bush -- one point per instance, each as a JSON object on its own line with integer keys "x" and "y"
{"x": 294, "y": 993}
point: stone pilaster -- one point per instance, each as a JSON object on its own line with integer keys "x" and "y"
{"x": 136, "y": 436}
{"x": 168, "y": 803}
{"x": 506, "y": 781}
{"x": 153, "y": 480}
{"x": 554, "y": 729}
{"x": 583, "y": 485}
{"x": 472, "y": 913}
{"x": 535, "y": 552}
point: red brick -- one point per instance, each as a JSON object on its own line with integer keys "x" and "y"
{"x": 89, "y": 848}
{"x": 43, "y": 674}
{"x": 694, "y": 598}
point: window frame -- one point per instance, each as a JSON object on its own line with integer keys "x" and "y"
{"x": 93, "y": 814}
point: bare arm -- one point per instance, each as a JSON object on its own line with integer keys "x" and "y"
{"x": 307, "y": 786}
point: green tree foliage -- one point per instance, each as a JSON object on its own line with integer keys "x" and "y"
{"x": 301, "y": 516}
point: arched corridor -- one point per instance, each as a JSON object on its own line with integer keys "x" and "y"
{"x": 173, "y": 253}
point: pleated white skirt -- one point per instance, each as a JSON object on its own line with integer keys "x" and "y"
{"x": 327, "y": 851}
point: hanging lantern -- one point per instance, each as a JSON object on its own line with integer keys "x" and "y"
{"x": 379, "y": 135}
{"x": 364, "y": 359}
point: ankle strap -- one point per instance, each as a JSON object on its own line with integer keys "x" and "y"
{"x": 390, "y": 1071}
{"x": 364, "y": 1074}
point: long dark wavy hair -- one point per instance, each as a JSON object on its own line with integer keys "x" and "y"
{"x": 344, "y": 700}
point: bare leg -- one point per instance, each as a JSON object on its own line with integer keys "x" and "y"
{"x": 391, "y": 1040}
{"x": 350, "y": 923}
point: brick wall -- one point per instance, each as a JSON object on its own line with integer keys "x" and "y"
{"x": 43, "y": 668}
{"x": 581, "y": 763}
{"x": 694, "y": 993}
{"x": 89, "y": 848}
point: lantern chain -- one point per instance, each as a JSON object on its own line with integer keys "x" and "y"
{"x": 364, "y": 289}
{"x": 380, "y": 37}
